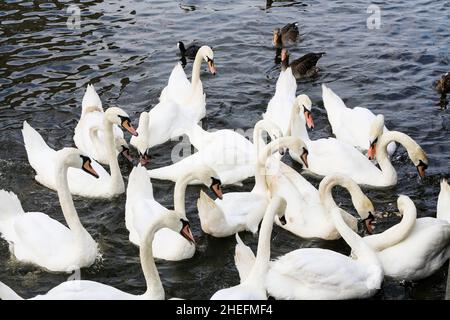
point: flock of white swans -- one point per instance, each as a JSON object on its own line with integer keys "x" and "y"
{"x": 410, "y": 250}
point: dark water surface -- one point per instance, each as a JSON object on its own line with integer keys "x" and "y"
{"x": 127, "y": 50}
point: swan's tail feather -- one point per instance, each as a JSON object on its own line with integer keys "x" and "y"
{"x": 11, "y": 205}
{"x": 139, "y": 184}
{"x": 443, "y": 203}
{"x": 244, "y": 258}
{"x": 331, "y": 99}
{"x": 38, "y": 152}
{"x": 6, "y": 293}
{"x": 91, "y": 101}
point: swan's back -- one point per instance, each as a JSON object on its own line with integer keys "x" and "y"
{"x": 85, "y": 290}
{"x": 321, "y": 274}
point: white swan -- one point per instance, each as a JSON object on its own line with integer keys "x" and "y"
{"x": 89, "y": 134}
{"x": 308, "y": 209}
{"x": 313, "y": 273}
{"x": 226, "y": 151}
{"x": 328, "y": 156}
{"x": 350, "y": 125}
{"x": 443, "y": 204}
{"x": 182, "y": 105}
{"x": 185, "y": 93}
{"x": 253, "y": 286}
{"x": 242, "y": 211}
{"x": 91, "y": 290}
{"x": 414, "y": 248}
{"x": 141, "y": 209}
{"x": 36, "y": 238}
{"x": 42, "y": 159}
{"x": 280, "y": 105}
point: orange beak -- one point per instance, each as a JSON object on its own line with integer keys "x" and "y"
{"x": 129, "y": 127}
{"x": 87, "y": 167}
{"x": 309, "y": 119}
{"x": 186, "y": 232}
{"x": 304, "y": 157}
{"x": 372, "y": 151}
{"x": 217, "y": 190}
{"x": 212, "y": 67}
{"x": 421, "y": 170}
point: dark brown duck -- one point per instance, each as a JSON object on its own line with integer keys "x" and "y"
{"x": 286, "y": 35}
{"x": 303, "y": 66}
{"x": 188, "y": 52}
{"x": 443, "y": 85}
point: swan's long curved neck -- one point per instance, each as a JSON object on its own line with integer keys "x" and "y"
{"x": 195, "y": 80}
{"x": 261, "y": 265}
{"x": 258, "y": 141}
{"x": 297, "y": 124}
{"x": 116, "y": 175}
{"x": 359, "y": 248}
{"x": 179, "y": 194}
{"x": 396, "y": 233}
{"x": 65, "y": 199}
{"x": 387, "y": 137}
{"x": 329, "y": 182}
{"x": 155, "y": 288}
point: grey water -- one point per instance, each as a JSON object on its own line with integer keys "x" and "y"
{"x": 127, "y": 49}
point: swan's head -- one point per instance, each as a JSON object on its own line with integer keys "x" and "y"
{"x": 365, "y": 210}
{"x": 180, "y": 46}
{"x": 376, "y": 130}
{"x": 91, "y": 99}
{"x": 175, "y": 221}
{"x": 281, "y": 205}
{"x": 405, "y": 203}
{"x": 140, "y": 142}
{"x": 276, "y": 39}
{"x": 208, "y": 56}
{"x": 119, "y": 117}
{"x": 209, "y": 178}
{"x": 73, "y": 158}
{"x": 420, "y": 159}
{"x": 303, "y": 102}
{"x": 298, "y": 147}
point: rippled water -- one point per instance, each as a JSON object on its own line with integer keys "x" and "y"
{"x": 127, "y": 50}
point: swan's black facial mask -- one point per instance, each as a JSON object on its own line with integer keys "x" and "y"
{"x": 87, "y": 167}
{"x": 421, "y": 167}
{"x": 212, "y": 67}
{"x": 125, "y": 122}
{"x": 186, "y": 231}
{"x": 215, "y": 187}
{"x": 144, "y": 158}
{"x": 368, "y": 226}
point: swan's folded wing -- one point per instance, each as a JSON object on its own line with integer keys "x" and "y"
{"x": 178, "y": 87}
{"x": 144, "y": 213}
{"x": 40, "y": 155}
{"x": 39, "y": 238}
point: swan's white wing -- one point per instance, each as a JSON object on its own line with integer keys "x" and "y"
{"x": 85, "y": 290}
{"x": 243, "y": 209}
